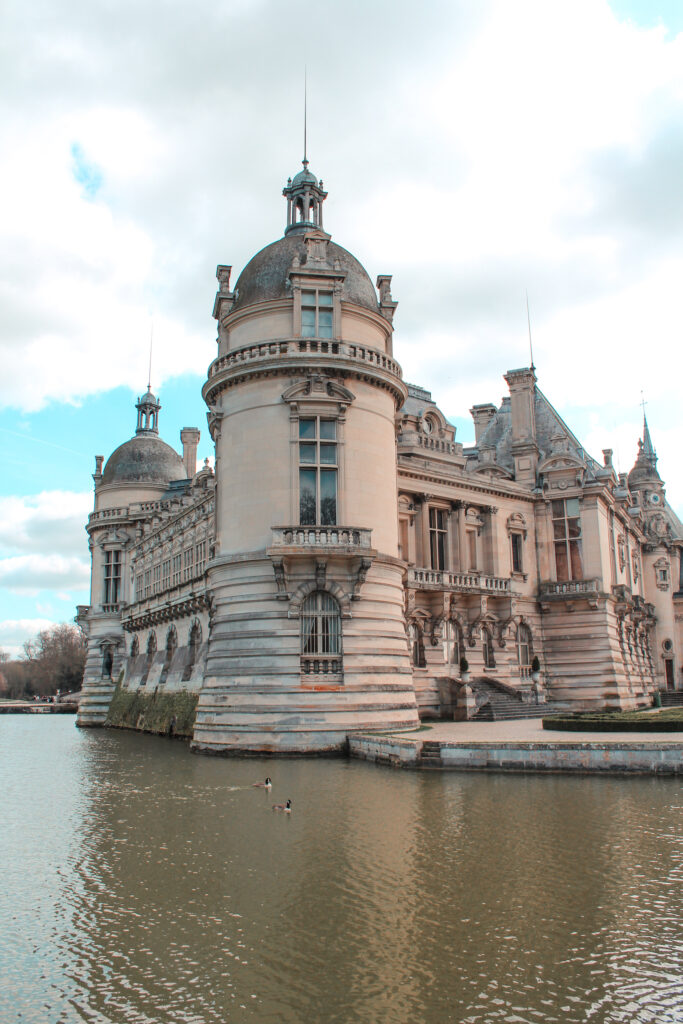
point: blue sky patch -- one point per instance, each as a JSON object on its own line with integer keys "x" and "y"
{"x": 85, "y": 173}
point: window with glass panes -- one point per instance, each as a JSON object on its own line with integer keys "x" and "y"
{"x": 567, "y": 537}
{"x": 317, "y": 472}
{"x": 112, "y": 576}
{"x": 516, "y": 543}
{"x": 316, "y": 314}
{"x": 437, "y": 537}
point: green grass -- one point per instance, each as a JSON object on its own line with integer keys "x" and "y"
{"x": 669, "y": 720}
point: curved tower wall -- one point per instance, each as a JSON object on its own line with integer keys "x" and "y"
{"x": 263, "y": 692}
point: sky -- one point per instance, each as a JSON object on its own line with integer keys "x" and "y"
{"x": 476, "y": 151}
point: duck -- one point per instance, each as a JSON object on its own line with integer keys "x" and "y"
{"x": 287, "y": 808}
{"x": 263, "y": 785}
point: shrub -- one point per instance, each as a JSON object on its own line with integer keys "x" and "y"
{"x": 464, "y": 664}
{"x": 535, "y": 664}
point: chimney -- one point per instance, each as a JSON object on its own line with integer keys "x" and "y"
{"x": 607, "y": 456}
{"x": 97, "y": 475}
{"x": 482, "y": 416}
{"x": 189, "y": 437}
{"x": 522, "y": 385}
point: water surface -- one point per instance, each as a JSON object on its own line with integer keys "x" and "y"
{"x": 143, "y": 884}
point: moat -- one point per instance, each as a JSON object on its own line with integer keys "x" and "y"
{"x": 142, "y": 884}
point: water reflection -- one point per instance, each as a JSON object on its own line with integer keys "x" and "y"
{"x": 147, "y": 885}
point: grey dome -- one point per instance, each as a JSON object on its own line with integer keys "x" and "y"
{"x": 266, "y": 275}
{"x": 304, "y": 176}
{"x": 144, "y": 459}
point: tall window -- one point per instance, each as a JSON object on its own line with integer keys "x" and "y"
{"x": 471, "y": 549}
{"x": 487, "y": 648}
{"x": 177, "y": 568}
{"x": 524, "y": 649}
{"x": 320, "y": 634}
{"x": 316, "y": 314}
{"x": 188, "y": 563}
{"x": 516, "y": 546}
{"x": 437, "y": 537}
{"x": 452, "y": 643}
{"x": 417, "y": 645}
{"x": 317, "y": 472}
{"x": 166, "y": 574}
{"x": 156, "y": 579}
{"x": 112, "y": 577}
{"x": 567, "y": 535}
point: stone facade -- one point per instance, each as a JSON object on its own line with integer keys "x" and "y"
{"x": 348, "y": 555}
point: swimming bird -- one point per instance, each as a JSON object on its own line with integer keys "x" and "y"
{"x": 263, "y": 785}
{"x": 287, "y": 808}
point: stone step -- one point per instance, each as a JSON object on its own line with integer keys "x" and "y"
{"x": 671, "y": 698}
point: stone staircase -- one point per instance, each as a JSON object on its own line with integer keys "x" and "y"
{"x": 500, "y": 704}
{"x": 430, "y": 755}
{"x": 671, "y": 698}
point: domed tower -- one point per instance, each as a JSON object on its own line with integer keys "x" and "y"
{"x": 136, "y": 473}
{"x": 307, "y": 635}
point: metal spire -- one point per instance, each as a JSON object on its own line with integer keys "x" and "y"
{"x": 528, "y": 320}
{"x": 305, "y": 159}
{"x": 151, "y": 340}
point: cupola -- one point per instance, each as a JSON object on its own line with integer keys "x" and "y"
{"x": 148, "y": 413}
{"x": 305, "y": 197}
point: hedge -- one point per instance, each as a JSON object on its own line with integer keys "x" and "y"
{"x": 670, "y": 720}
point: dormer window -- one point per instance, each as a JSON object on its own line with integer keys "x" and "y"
{"x": 316, "y": 314}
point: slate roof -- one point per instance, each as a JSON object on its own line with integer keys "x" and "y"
{"x": 266, "y": 275}
{"x": 145, "y": 458}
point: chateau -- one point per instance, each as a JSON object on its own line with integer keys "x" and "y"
{"x": 349, "y": 565}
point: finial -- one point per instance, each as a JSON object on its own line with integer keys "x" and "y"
{"x": 528, "y": 320}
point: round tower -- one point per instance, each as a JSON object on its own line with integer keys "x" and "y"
{"x": 307, "y": 639}
{"x": 137, "y": 472}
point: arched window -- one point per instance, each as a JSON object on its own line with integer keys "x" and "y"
{"x": 417, "y": 646}
{"x": 193, "y": 642}
{"x": 135, "y": 647}
{"x": 525, "y": 649}
{"x": 151, "y": 651}
{"x": 171, "y": 644}
{"x": 320, "y": 634}
{"x": 452, "y": 643}
{"x": 487, "y": 648}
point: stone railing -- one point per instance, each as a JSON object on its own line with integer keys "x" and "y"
{"x": 107, "y": 513}
{"x": 437, "y": 444}
{"x": 316, "y": 538}
{"x": 568, "y": 588}
{"x": 111, "y": 607}
{"x": 321, "y": 665}
{"x": 444, "y": 580}
{"x": 285, "y": 348}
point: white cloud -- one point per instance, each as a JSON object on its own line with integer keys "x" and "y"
{"x": 13, "y": 633}
{"x": 30, "y": 574}
{"x": 475, "y": 151}
{"x": 52, "y": 521}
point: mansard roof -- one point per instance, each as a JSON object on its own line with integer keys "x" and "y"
{"x": 549, "y": 424}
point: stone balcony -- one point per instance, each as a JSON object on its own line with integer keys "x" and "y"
{"x": 568, "y": 591}
{"x": 283, "y": 355}
{"x": 465, "y": 582}
{"x": 316, "y": 540}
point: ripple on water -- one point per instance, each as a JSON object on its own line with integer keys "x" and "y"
{"x": 146, "y": 885}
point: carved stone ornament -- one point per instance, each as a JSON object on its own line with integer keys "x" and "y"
{"x": 316, "y": 388}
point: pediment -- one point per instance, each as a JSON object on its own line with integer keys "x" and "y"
{"x": 317, "y": 388}
{"x": 561, "y": 461}
{"x": 492, "y": 471}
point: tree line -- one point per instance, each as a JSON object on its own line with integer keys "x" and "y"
{"x": 52, "y": 662}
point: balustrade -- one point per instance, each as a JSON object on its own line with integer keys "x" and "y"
{"x": 474, "y": 581}
{"x": 321, "y": 537}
